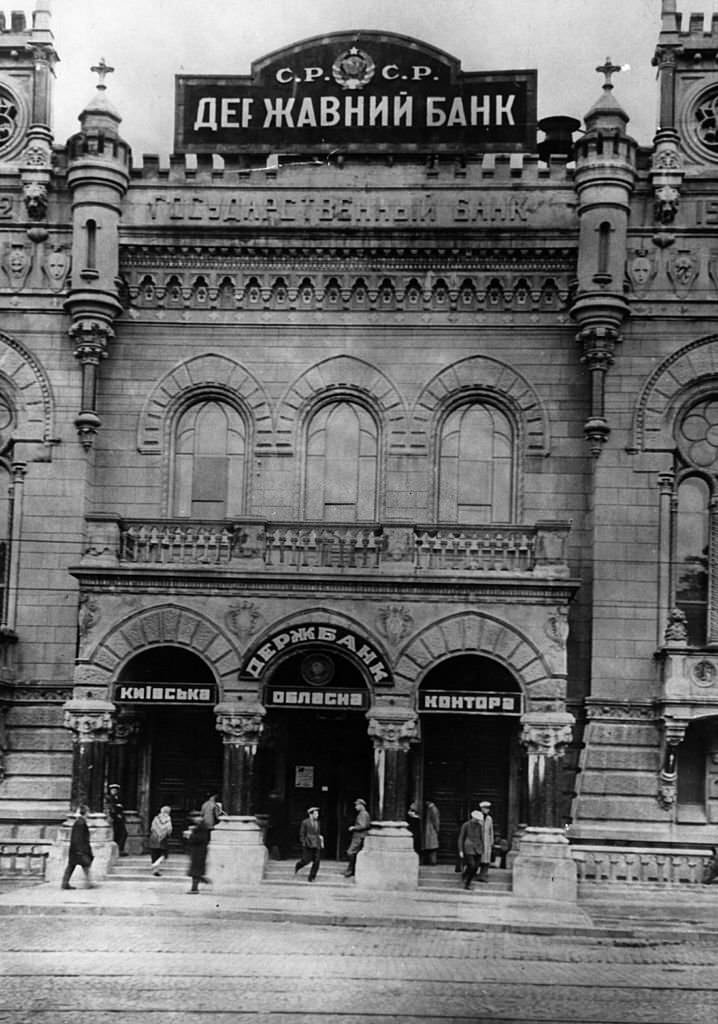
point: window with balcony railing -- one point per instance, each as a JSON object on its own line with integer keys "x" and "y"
{"x": 476, "y": 465}
{"x": 694, "y": 521}
{"x": 209, "y": 462}
{"x": 341, "y": 469}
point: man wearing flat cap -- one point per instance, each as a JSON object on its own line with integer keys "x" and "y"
{"x": 116, "y": 813}
{"x": 311, "y": 841}
{"x": 359, "y": 831}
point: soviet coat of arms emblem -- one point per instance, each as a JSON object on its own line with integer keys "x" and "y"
{"x": 353, "y": 69}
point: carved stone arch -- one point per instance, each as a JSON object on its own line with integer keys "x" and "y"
{"x": 322, "y": 616}
{"x": 167, "y": 625}
{"x": 191, "y": 375}
{"x": 493, "y": 379}
{"x": 473, "y": 632}
{"x": 693, "y": 367}
{"x": 348, "y": 372}
{"x": 29, "y": 389}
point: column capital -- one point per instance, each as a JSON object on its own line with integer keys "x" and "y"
{"x": 393, "y": 727}
{"x": 240, "y": 724}
{"x": 89, "y": 719}
{"x": 547, "y": 732}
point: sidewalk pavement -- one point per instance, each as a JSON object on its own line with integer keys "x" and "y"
{"x": 612, "y": 914}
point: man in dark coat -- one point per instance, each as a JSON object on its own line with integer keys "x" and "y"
{"x": 359, "y": 831}
{"x": 311, "y": 841}
{"x": 197, "y": 836}
{"x": 471, "y": 845}
{"x": 116, "y": 813}
{"x": 80, "y": 852}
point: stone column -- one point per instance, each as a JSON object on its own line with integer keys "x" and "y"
{"x": 388, "y": 860}
{"x": 123, "y": 769}
{"x": 674, "y": 731}
{"x": 545, "y": 735}
{"x": 91, "y": 720}
{"x": 544, "y": 868}
{"x": 237, "y": 852}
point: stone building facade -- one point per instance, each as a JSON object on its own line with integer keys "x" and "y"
{"x": 349, "y": 459}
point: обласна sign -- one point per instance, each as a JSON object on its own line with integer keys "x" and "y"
{"x": 356, "y": 91}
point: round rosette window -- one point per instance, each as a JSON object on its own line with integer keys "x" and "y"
{"x": 12, "y": 122}
{"x": 699, "y": 125}
{"x": 698, "y": 435}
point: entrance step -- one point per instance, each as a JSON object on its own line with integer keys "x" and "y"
{"x": 443, "y": 877}
{"x": 439, "y": 877}
{"x": 139, "y": 868}
{"x": 331, "y": 873}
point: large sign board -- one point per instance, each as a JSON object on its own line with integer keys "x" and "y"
{"x": 360, "y": 91}
{"x": 331, "y": 637}
{"x": 453, "y": 702}
{"x": 164, "y": 693}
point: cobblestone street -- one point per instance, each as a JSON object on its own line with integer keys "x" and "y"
{"x": 152, "y": 969}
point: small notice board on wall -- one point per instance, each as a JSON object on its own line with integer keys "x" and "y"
{"x": 304, "y": 776}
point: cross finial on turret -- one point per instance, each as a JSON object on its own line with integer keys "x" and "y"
{"x": 102, "y": 69}
{"x": 608, "y": 69}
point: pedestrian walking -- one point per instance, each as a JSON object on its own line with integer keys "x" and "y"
{"x": 115, "y": 811}
{"x": 413, "y": 819}
{"x": 312, "y": 843}
{"x": 471, "y": 845}
{"x": 432, "y": 824}
{"x": 197, "y": 836}
{"x": 359, "y": 831}
{"x": 80, "y": 852}
{"x": 211, "y": 811}
{"x": 487, "y": 849}
{"x": 160, "y": 832}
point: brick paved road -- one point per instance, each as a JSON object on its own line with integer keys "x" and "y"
{"x": 156, "y": 970}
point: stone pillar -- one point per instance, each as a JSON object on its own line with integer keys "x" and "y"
{"x": 91, "y": 721}
{"x": 544, "y": 868}
{"x": 388, "y": 860}
{"x": 674, "y": 731}
{"x": 123, "y": 769}
{"x": 237, "y": 852}
{"x": 545, "y": 735}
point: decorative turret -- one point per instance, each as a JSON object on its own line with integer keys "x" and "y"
{"x": 98, "y": 177}
{"x": 605, "y": 173}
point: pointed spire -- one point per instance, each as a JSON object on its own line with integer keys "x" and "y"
{"x": 99, "y": 112}
{"x": 607, "y": 112}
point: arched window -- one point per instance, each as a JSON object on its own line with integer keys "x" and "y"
{"x": 341, "y": 464}
{"x": 209, "y": 461}
{"x": 476, "y": 466}
{"x": 692, "y": 531}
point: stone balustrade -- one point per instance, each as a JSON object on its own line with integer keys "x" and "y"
{"x": 639, "y": 865}
{"x": 23, "y": 859}
{"x": 392, "y": 548}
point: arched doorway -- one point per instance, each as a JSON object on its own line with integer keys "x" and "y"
{"x": 697, "y": 781}
{"x": 172, "y": 693}
{"x": 470, "y": 708}
{"x": 314, "y": 750}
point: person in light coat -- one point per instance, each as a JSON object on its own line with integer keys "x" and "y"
{"x": 432, "y": 824}
{"x": 487, "y": 823}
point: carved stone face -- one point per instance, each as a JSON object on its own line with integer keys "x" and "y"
{"x": 641, "y": 269}
{"x": 17, "y": 260}
{"x": 57, "y": 265}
